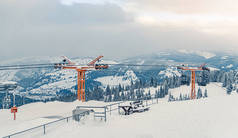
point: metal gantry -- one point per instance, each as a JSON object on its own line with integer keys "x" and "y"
{"x": 193, "y": 77}
{"x": 81, "y": 70}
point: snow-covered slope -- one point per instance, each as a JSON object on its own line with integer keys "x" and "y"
{"x": 34, "y": 114}
{"x": 213, "y": 89}
{"x": 212, "y": 117}
{"x": 124, "y": 80}
{"x": 205, "y": 118}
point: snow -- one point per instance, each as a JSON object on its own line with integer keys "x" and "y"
{"x": 34, "y": 114}
{"x": 213, "y": 69}
{"x": 213, "y": 117}
{"x": 210, "y": 118}
{"x": 224, "y": 57}
{"x": 8, "y": 83}
{"x": 229, "y": 66}
{"x": 170, "y": 72}
{"x": 213, "y": 90}
{"x": 116, "y": 80}
{"x": 206, "y": 55}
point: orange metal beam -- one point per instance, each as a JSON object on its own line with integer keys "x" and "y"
{"x": 94, "y": 61}
{"x": 81, "y": 75}
{"x": 193, "y": 79}
{"x": 81, "y": 85}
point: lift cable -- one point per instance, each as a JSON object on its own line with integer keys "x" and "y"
{"x": 21, "y": 68}
{"x": 27, "y": 65}
{"x": 52, "y": 65}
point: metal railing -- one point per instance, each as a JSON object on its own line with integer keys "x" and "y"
{"x": 107, "y": 108}
{"x": 44, "y": 126}
{"x": 102, "y": 114}
{"x": 149, "y": 100}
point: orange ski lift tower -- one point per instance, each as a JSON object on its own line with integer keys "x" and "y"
{"x": 81, "y": 69}
{"x": 193, "y": 75}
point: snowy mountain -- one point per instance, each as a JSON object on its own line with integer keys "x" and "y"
{"x": 43, "y": 84}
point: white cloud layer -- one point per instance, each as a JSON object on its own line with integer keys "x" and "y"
{"x": 115, "y": 28}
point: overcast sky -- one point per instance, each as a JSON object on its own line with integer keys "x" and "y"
{"x": 115, "y": 28}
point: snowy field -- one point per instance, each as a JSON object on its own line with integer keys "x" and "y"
{"x": 212, "y": 117}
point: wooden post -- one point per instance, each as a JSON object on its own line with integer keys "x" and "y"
{"x": 14, "y": 115}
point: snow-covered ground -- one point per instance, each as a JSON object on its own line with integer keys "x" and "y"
{"x": 212, "y": 117}
{"x": 34, "y": 114}
{"x": 205, "y": 118}
{"x": 213, "y": 89}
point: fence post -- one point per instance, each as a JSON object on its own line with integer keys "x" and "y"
{"x": 44, "y": 129}
{"x": 118, "y": 108}
{"x": 157, "y": 100}
{"x": 110, "y": 109}
{"x": 67, "y": 119}
{"x": 105, "y": 112}
{"x": 146, "y": 101}
{"x": 78, "y": 118}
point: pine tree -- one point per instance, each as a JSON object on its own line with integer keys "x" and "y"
{"x": 199, "y": 93}
{"x": 161, "y": 92}
{"x": 229, "y": 88}
{"x": 116, "y": 96}
{"x": 171, "y": 98}
{"x": 151, "y": 82}
{"x": 149, "y": 95}
{"x": 108, "y": 90}
{"x": 119, "y": 87}
{"x": 180, "y": 97}
{"x": 225, "y": 81}
{"x": 204, "y": 78}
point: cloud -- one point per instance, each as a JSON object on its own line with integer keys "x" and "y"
{"x": 94, "y": 2}
{"x": 227, "y": 7}
{"x": 114, "y": 29}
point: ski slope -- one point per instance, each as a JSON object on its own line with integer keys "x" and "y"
{"x": 205, "y": 118}
{"x": 212, "y": 117}
{"x": 213, "y": 89}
